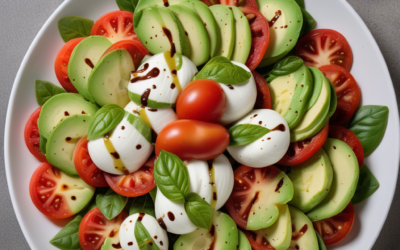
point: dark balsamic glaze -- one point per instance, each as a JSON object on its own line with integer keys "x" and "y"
{"x": 171, "y": 216}
{"x": 89, "y": 62}
{"x": 152, "y": 110}
{"x": 275, "y": 18}
{"x": 166, "y": 4}
{"x": 168, "y": 34}
{"x": 280, "y": 127}
{"x": 115, "y": 155}
{"x": 230, "y": 86}
{"x": 162, "y": 224}
{"x": 145, "y": 97}
{"x": 117, "y": 246}
{"x": 141, "y": 215}
{"x": 153, "y": 73}
{"x": 302, "y": 231}
{"x": 145, "y": 67}
{"x": 280, "y": 184}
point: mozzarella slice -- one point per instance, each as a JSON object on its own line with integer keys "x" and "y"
{"x": 270, "y": 148}
{"x": 223, "y": 179}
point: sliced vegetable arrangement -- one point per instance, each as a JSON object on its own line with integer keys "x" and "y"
{"x": 199, "y": 125}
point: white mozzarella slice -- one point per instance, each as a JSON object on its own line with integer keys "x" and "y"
{"x": 200, "y": 181}
{"x": 224, "y": 180}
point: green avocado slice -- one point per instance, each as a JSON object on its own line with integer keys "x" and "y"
{"x": 244, "y": 243}
{"x": 243, "y": 38}
{"x": 303, "y": 235}
{"x": 226, "y": 24}
{"x": 279, "y": 235}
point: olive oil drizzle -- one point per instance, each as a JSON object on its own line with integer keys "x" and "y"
{"x": 211, "y": 171}
{"x": 118, "y": 164}
{"x": 171, "y": 62}
{"x": 143, "y": 115}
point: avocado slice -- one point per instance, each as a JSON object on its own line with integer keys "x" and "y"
{"x": 195, "y": 32}
{"x": 333, "y": 105}
{"x": 279, "y": 234}
{"x": 344, "y": 184}
{"x": 83, "y": 59}
{"x": 142, "y": 4}
{"x": 226, "y": 24}
{"x": 318, "y": 82}
{"x": 285, "y": 31}
{"x": 223, "y": 235}
{"x": 60, "y": 107}
{"x": 241, "y": 49}
{"x": 108, "y": 82}
{"x": 303, "y": 233}
{"x": 311, "y": 181}
{"x": 290, "y": 95}
{"x": 111, "y": 244}
{"x": 61, "y": 144}
{"x": 244, "y": 243}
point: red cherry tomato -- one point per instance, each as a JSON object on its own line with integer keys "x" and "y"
{"x": 135, "y": 48}
{"x": 189, "y": 139}
{"x": 61, "y": 64}
{"x": 257, "y": 240}
{"x": 32, "y": 136}
{"x": 324, "y": 47}
{"x": 202, "y": 100}
{"x": 347, "y": 91}
{"x": 263, "y": 100}
{"x": 115, "y": 25}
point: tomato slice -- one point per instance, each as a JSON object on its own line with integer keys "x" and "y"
{"x": 229, "y": 2}
{"x": 263, "y": 100}
{"x": 135, "y": 184}
{"x": 85, "y": 167}
{"x": 335, "y": 229}
{"x": 239, "y": 3}
{"x": 135, "y": 48}
{"x": 32, "y": 136}
{"x": 350, "y": 138}
{"x": 324, "y": 47}
{"x": 301, "y": 151}
{"x": 95, "y": 229}
{"x": 248, "y": 3}
{"x": 115, "y": 25}
{"x": 347, "y": 91}
{"x": 61, "y": 64}
{"x": 257, "y": 240}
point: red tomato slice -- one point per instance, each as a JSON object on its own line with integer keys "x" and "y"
{"x": 134, "y": 47}
{"x": 61, "y": 64}
{"x": 95, "y": 229}
{"x": 301, "y": 151}
{"x": 135, "y": 184}
{"x": 229, "y": 2}
{"x": 347, "y": 91}
{"x": 257, "y": 240}
{"x": 263, "y": 100}
{"x": 85, "y": 167}
{"x": 32, "y": 136}
{"x": 335, "y": 229}
{"x": 350, "y": 138}
{"x": 259, "y": 35}
{"x": 115, "y": 25}
{"x": 324, "y": 47}
{"x": 210, "y": 2}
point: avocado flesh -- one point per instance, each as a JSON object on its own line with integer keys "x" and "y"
{"x": 108, "y": 82}
{"x": 244, "y": 243}
{"x": 344, "y": 183}
{"x": 142, "y": 4}
{"x": 318, "y": 82}
{"x": 83, "y": 59}
{"x": 311, "y": 181}
{"x": 241, "y": 49}
{"x": 61, "y": 144}
{"x": 306, "y": 239}
{"x": 279, "y": 235}
{"x": 226, "y": 24}
{"x": 223, "y": 235}
{"x": 109, "y": 242}
{"x": 333, "y": 105}
{"x": 60, "y": 107}
{"x": 285, "y": 32}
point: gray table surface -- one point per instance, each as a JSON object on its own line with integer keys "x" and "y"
{"x": 20, "y": 21}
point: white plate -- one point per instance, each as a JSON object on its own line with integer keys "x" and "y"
{"x": 369, "y": 69}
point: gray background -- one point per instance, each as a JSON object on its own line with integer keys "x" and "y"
{"x": 20, "y": 21}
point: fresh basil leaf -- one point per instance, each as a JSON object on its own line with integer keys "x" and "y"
{"x": 44, "y": 90}
{"x": 143, "y": 204}
{"x": 172, "y": 176}
{"x": 243, "y": 134}
{"x": 366, "y": 186}
{"x": 301, "y": 3}
{"x": 68, "y": 237}
{"x": 143, "y": 238}
{"x": 105, "y": 120}
{"x": 286, "y": 66}
{"x": 42, "y": 144}
{"x": 308, "y": 22}
{"x": 153, "y": 193}
{"x": 71, "y": 27}
{"x": 321, "y": 243}
{"x": 198, "y": 211}
{"x": 128, "y": 5}
{"x": 111, "y": 204}
{"x": 369, "y": 125}
{"x": 222, "y": 70}
{"x": 140, "y": 126}
{"x": 270, "y": 78}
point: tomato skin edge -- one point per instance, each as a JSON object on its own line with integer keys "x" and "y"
{"x": 28, "y": 126}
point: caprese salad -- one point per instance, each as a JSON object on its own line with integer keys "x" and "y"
{"x": 202, "y": 125}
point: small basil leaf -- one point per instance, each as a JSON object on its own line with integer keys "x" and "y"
{"x": 68, "y": 237}
{"x": 321, "y": 243}
{"x": 308, "y": 22}
{"x": 141, "y": 126}
{"x": 105, "y": 120}
{"x": 369, "y": 125}
{"x": 366, "y": 186}
{"x": 42, "y": 144}
{"x": 143, "y": 204}
{"x": 71, "y": 27}
{"x": 286, "y": 66}
{"x": 222, "y": 70}
{"x": 128, "y": 5}
{"x": 153, "y": 193}
{"x": 111, "y": 204}
{"x": 243, "y": 134}
{"x": 198, "y": 211}
{"x": 45, "y": 90}
{"x": 143, "y": 238}
{"x": 270, "y": 78}
{"x": 172, "y": 176}
{"x": 301, "y": 3}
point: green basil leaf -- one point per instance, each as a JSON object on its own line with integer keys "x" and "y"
{"x": 222, "y": 70}
{"x": 153, "y": 193}
{"x": 111, "y": 203}
{"x": 42, "y": 144}
{"x": 270, "y": 78}
{"x": 105, "y": 120}
{"x": 68, "y": 237}
{"x": 140, "y": 126}
{"x": 143, "y": 204}
{"x": 321, "y": 243}
{"x": 369, "y": 125}
{"x": 71, "y": 27}
{"x": 44, "y": 90}
{"x": 301, "y": 3}
{"x": 172, "y": 176}
{"x": 198, "y": 211}
{"x": 143, "y": 238}
{"x": 308, "y": 22}
{"x": 286, "y": 66}
{"x": 243, "y": 134}
{"x": 128, "y": 5}
{"x": 366, "y": 186}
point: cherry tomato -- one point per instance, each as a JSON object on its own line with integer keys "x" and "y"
{"x": 115, "y": 25}
{"x": 263, "y": 100}
{"x": 189, "y": 139}
{"x": 335, "y": 229}
{"x": 135, "y": 48}
{"x": 257, "y": 240}
{"x": 32, "y": 136}
{"x": 347, "y": 91}
{"x": 301, "y": 151}
{"x": 324, "y": 47}
{"x": 61, "y": 64}
{"x": 202, "y": 100}
{"x": 95, "y": 229}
